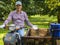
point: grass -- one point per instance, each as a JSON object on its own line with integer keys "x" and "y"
{"x": 1, "y": 38}
{"x": 41, "y": 21}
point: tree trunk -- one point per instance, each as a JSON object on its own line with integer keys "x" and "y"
{"x": 58, "y": 17}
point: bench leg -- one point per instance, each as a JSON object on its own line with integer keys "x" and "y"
{"x": 53, "y": 42}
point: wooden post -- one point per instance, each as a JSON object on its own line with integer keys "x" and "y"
{"x": 58, "y": 42}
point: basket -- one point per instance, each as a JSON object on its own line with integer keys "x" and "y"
{"x": 39, "y": 32}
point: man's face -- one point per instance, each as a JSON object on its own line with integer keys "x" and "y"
{"x": 18, "y": 7}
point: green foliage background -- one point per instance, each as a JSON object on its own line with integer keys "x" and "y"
{"x": 32, "y": 7}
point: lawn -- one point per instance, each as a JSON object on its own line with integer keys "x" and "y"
{"x": 40, "y": 21}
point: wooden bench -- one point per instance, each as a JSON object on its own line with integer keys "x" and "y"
{"x": 37, "y": 40}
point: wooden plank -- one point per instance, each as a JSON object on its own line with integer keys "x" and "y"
{"x": 58, "y": 42}
{"x": 34, "y": 37}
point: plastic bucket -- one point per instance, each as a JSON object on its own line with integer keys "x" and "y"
{"x": 55, "y": 30}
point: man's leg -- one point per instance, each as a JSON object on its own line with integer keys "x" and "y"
{"x": 21, "y": 32}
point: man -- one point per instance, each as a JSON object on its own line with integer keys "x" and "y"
{"x": 18, "y": 17}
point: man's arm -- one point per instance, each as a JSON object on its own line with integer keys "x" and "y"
{"x": 27, "y": 20}
{"x": 8, "y": 19}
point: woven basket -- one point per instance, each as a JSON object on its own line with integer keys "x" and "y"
{"x": 39, "y": 32}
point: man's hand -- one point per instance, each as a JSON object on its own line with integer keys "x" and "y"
{"x": 2, "y": 26}
{"x": 35, "y": 27}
